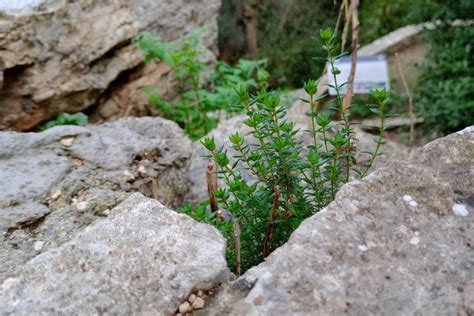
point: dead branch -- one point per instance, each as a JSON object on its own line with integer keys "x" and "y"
{"x": 355, "y": 44}
{"x": 212, "y": 185}
{"x": 268, "y": 230}
{"x": 236, "y": 228}
{"x": 347, "y": 8}
{"x": 411, "y": 111}
{"x": 154, "y": 189}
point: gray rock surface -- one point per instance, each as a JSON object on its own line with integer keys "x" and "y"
{"x": 297, "y": 113}
{"x": 399, "y": 242}
{"x": 142, "y": 259}
{"x": 65, "y": 56}
{"x": 55, "y": 183}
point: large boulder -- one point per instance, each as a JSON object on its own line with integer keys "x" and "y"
{"x": 398, "y": 242}
{"x": 66, "y": 56}
{"x": 142, "y": 259}
{"x": 55, "y": 183}
{"x": 298, "y": 113}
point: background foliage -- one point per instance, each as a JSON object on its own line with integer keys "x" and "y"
{"x": 445, "y": 90}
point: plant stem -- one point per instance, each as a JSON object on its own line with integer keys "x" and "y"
{"x": 313, "y": 120}
{"x": 268, "y": 230}
{"x": 379, "y": 142}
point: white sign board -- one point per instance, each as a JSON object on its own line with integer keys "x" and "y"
{"x": 371, "y": 73}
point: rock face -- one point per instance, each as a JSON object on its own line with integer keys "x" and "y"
{"x": 399, "y": 242}
{"x": 297, "y": 113}
{"x": 55, "y": 183}
{"x": 65, "y": 56}
{"x": 142, "y": 259}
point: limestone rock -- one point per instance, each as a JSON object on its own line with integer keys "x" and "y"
{"x": 374, "y": 252}
{"x": 65, "y": 56}
{"x": 143, "y": 259}
{"x": 88, "y": 176}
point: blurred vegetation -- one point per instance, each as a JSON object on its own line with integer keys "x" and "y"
{"x": 445, "y": 89}
{"x": 78, "y": 119}
{"x": 284, "y": 32}
{"x": 284, "y": 27}
{"x": 380, "y": 17}
{"x": 198, "y": 105}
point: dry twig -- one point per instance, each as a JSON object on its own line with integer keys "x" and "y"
{"x": 355, "y": 44}
{"x": 268, "y": 231}
{"x": 236, "y": 227}
{"x": 212, "y": 185}
{"x": 411, "y": 111}
{"x": 154, "y": 189}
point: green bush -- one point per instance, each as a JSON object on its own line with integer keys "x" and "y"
{"x": 445, "y": 89}
{"x": 380, "y": 17}
{"x": 197, "y": 106}
{"x": 292, "y": 181}
{"x": 78, "y": 119}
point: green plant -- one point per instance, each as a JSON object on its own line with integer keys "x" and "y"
{"x": 197, "y": 107}
{"x": 444, "y": 95}
{"x": 290, "y": 181}
{"x": 79, "y": 119}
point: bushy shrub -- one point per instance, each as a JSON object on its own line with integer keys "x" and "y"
{"x": 197, "y": 105}
{"x": 445, "y": 89}
{"x": 291, "y": 181}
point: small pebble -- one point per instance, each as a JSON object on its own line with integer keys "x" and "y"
{"x": 56, "y": 195}
{"x": 460, "y": 210}
{"x": 362, "y": 247}
{"x": 184, "y": 307}
{"x": 142, "y": 172}
{"x": 128, "y": 175}
{"x": 200, "y": 293}
{"x": 413, "y": 203}
{"x": 38, "y": 245}
{"x": 407, "y": 198}
{"x": 81, "y": 206}
{"x": 77, "y": 162}
{"x": 191, "y": 298}
{"x": 67, "y": 141}
{"x": 198, "y": 303}
{"x": 415, "y": 241}
{"x": 105, "y": 212}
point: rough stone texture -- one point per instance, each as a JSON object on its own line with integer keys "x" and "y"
{"x": 143, "y": 259}
{"x": 49, "y": 191}
{"x": 298, "y": 113}
{"x": 399, "y": 242}
{"x": 60, "y": 55}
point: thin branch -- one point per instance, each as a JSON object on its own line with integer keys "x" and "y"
{"x": 154, "y": 189}
{"x": 347, "y": 19}
{"x": 236, "y": 227}
{"x": 284, "y": 16}
{"x": 268, "y": 231}
{"x": 355, "y": 44}
{"x": 411, "y": 111}
{"x": 212, "y": 185}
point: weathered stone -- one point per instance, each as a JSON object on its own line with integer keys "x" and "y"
{"x": 142, "y": 259}
{"x": 36, "y": 166}
{"x": 64, "y": 56}
{"x": 297, "y": 113}
{"x": 374, "y": 252}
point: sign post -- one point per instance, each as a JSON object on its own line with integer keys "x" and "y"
{"x": 371, "y": 73}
